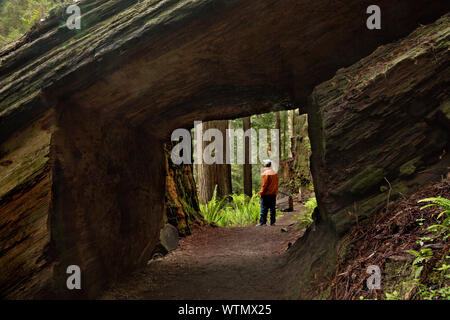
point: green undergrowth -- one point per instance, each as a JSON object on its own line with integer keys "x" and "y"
{"x": 305, "y": 219}
{"x": 18, "y": 16}
{"x": 428, "y": 276}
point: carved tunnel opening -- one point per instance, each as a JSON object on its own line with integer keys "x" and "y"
{"x": 109, "y": 192}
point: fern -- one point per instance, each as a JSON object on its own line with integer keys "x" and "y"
{"x": 441, "y": 202}
{"x": 442, "y": 228}
{"x": 33, "y": 18}
{"x": 311, "y": 204}
{"x": 423, "y": 256}
{"x": 211, "y": 210}
{"x": 393, "y": 296}
{"x": 242, "y": 210}
{"x": 306, "y": 219}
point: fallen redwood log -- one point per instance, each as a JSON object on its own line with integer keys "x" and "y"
{"x": 379, "y": 129}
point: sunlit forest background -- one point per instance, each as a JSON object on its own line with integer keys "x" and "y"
{"x": 18, "y": 16}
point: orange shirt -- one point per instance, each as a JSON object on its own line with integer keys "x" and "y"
{"x": 269, "y": 184}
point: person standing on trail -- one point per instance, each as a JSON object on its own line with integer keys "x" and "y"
{"x": 268, "y": 193}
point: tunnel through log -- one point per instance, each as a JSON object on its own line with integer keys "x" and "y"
{"x": 108, "y": 194}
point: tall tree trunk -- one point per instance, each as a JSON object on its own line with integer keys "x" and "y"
{"x": 293, "y": 120}
{"x": 210, "y": 175}
{"x": 247, "y": 165}
{"x": 206, "y": 173}
{"x": 284, "y": 140}
{"x": 223, "y": 171}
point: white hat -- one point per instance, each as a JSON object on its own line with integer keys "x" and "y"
{"x": 267, "y": 162}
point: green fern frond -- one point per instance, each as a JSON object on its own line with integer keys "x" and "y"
{"x": 441, "y": 202}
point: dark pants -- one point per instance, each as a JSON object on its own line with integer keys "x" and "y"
{"x": 268, "y": 202}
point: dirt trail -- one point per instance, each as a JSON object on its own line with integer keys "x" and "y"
{"x": 217, "y": 263}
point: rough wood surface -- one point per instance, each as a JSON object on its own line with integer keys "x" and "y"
{"x": 182, "y": 205}
{"x": 377, "y": 126}
{"x": 177, "y": 53}
{"x": 114, "y": 91}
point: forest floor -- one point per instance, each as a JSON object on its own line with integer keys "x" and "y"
{"x": 244, "y": 263}
{"x": 217, "y": 263}
{"x": 383, "y": 241}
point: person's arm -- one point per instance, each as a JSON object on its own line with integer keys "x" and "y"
{"x": 264, "y": 184}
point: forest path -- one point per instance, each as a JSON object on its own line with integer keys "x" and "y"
{"x": 217, "y": 263}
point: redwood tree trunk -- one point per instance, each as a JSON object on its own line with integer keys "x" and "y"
{"x": 223, "y": 171}
{"x": 291, "y": 132}
{"x": 206, "y": 174}
{"x": 182, "y": 207}
{"x": 278, "y": 127}
{"x": 284, "y": 140}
